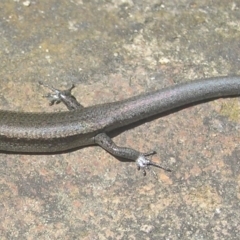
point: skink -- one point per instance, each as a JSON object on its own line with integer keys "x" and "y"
{"x": 24, "y": 132}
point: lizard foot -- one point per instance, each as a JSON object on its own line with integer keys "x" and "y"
{"x": 57, "y": 95}
{"x": 143, "y": 162}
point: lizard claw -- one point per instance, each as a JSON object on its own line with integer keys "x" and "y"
{"x": 57, "y": 95}
{"x": 63, "y": 96}
{"x": 143, "y": 163}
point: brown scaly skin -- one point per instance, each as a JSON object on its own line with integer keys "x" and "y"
{"x": 55, "y": 132}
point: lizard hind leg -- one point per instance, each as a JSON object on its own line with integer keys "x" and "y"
{"x": 141, "y": 159}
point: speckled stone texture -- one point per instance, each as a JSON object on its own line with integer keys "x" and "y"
{"x": 113, "y": 50}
